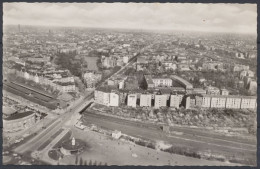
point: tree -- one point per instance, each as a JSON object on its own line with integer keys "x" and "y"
{"x": 80, "y": 161}
{"x": 90, "y": 162}
{"x": 76, "y": 160}
{"x": 95, "y": 163}
{"x": 100, "y": 163}
{"x": 85, "y": 162}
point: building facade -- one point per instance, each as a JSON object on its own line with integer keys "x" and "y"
{"x": 131, "y": 100}
{"x": 175, "y": 101}
{"x": 114, "y": 99}
{"x": 146, "y": 100}
{"x": 160, "y": 101}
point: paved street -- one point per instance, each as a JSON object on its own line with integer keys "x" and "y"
{"x": 44, "y": 135}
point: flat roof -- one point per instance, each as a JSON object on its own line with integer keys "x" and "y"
{"x": 185, "y": 82}
{"x": 8, "y": 110}
{"x": 230, "y": 96}
{"x": 148, "y": 79}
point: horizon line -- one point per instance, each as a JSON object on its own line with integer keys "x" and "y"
{"x": 136, "y": 29}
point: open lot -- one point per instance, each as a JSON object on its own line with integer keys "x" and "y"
{"x": 226, "y": 146}
{"x": 114, "y": 152}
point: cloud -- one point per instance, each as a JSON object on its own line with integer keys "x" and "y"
{"x": 199, "y": 17}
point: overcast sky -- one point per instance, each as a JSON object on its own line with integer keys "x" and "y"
{"x": 175, "y": 16}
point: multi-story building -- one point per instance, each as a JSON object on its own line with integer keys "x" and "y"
{"x": 247, "y": 81}
{"x": 131, "y": 100}
{"x": 19, "y": 121}
{"x": 169, "y": 65}
{"x": 233, "y": 102}
{"x": 224, "y": 92}
{"x": 247, "y": 73}
{"x": 252, "y": 86}
{"x": 188, "y": 102}
{"x": 206, "y": 99}
{"x": 160, "y": 101}
{"x": 162, "y": 82}
{"x": 212, "y": 66}
{"x": 91, "y": 79}
{"x": 125, "y": 59}
{"x": 248, "y": 102}
{"x": 36, "y": 78}
{"x": 102, "y": 96}
{"x": 149, "y": 81}
{"x": 108, "y": 62}
{"x": 146, "y": 100}
{"x": 212, "y": 90}
{"x": 199, "y": 100}
{"x": 121, "y": 84}
{"x": 218, "y": 102}
{"x": 175, "y": 101}
{"x": 114, "y": 99}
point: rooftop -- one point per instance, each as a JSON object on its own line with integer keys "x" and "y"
{"x": 230, "y": 96}
{"x": 185, "y": 82}
{"x": 148, "y": 79}
{"x": 8, "y": 110}
{"x": 19, "y": 115}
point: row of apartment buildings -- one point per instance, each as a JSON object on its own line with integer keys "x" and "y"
{"x": 110, "y": 97}
{"x": 152, "y": 82}
{"x": 62, "y": 84}
{"x": 220, "y": 101}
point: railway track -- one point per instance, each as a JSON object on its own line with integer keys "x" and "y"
{"x": 187, "y": 133}
{"x": 30, "y": 89}
{"x": 31, "y": 95}
{"x": 27, "y": 91}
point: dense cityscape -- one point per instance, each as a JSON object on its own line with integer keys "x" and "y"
{"x": 75, "y": 95}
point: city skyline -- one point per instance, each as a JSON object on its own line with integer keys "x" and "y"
{"x": 235, "y": 18}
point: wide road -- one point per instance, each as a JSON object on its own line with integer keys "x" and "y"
{"x": 199, "y": 140}
{"x": 45, "y": 134}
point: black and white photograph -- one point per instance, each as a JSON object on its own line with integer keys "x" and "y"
{"x": 129, "y": 84}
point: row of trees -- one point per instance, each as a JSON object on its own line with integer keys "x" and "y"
{"x": 80, "y": 161}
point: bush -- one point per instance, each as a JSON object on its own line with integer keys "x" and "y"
{"x": 140, "y": 142}
{"x": 182, "y": 151}
{"x": 151, "y": 145}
